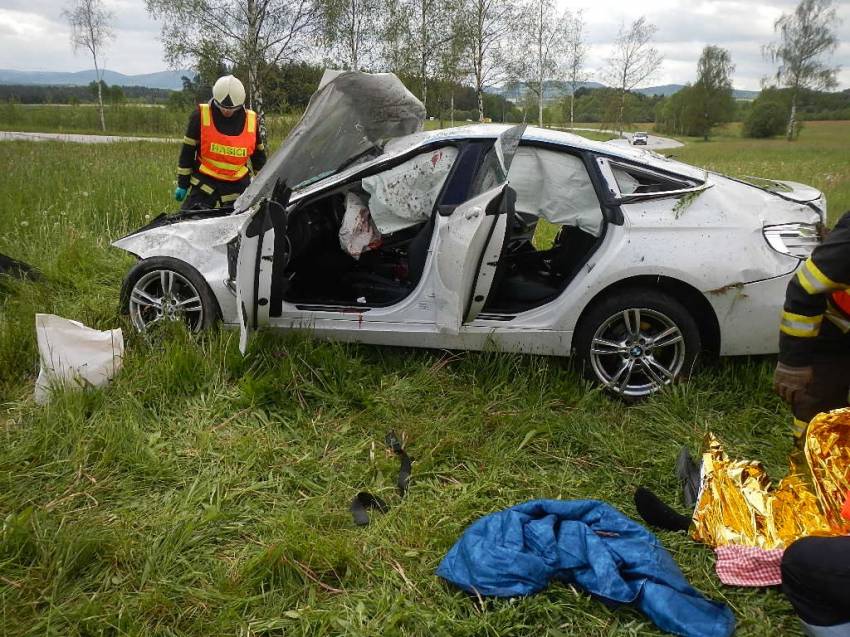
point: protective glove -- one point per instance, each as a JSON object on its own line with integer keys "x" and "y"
{"x": 179, "y": 193}
{"x": 788, "y": 380}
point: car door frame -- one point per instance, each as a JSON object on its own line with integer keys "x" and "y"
{"x": 266, "y": 267}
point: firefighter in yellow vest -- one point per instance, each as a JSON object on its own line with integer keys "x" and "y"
{"x": 813, "y": 374}
{"x": 221, "y": 150}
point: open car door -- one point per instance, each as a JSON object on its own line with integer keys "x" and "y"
{"x": 263, "y": 257}
{"x": 469, "y": 242}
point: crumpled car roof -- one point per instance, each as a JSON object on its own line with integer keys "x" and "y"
{"x": 408, "y": 143}
{"x": 351, "y": 114}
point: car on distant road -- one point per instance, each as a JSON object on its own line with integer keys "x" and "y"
{"x": 363, "y": 228}
{"x": 640, "y": 139}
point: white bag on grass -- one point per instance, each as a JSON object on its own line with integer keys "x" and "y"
{"x": 73, "y": 355}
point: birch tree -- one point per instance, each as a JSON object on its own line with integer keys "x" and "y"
{"x": 91, "y": 30}
{"x": 431, "y": 36}
{"x": 451, "y": 68}
{"x": 576, "y": 55}
{"x": 251, "y": 35}
{"x": 352, "y": 31}
{"x": 538, "y": 48}
{"x": 484, "y": 27}
{"x": 806, "y": 38}
{"x": 712, "y": 92}
{"x": 633, "y": 62}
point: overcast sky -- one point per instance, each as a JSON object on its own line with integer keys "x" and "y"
{"x": 33, "y": 35}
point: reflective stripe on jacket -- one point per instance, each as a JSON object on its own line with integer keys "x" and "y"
{"x": 225, "y": 157}
{"x": 815, "y": 321}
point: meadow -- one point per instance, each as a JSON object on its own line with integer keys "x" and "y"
{"x": 205, "y": 493}
{"x": 125, "y": 119}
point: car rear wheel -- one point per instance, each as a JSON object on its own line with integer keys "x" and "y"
{"x": 637, "y": 341}
{"x": 163, "y": 289}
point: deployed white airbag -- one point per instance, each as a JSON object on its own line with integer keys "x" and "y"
{"x": 358, "y": 233}
{"x": 555, "y": 186}
{"x": 73, "y": 355}
{"x": 405, "y": 195}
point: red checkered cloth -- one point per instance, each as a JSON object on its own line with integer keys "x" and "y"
{"x": 748, "y": 565}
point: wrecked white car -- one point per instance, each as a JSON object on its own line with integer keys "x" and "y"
{"x": 529, "y": 240}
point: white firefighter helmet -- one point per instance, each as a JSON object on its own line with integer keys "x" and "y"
{"x": 228, "y": 92}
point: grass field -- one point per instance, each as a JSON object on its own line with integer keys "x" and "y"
{"x": 128, "y": 119}
{"x": 204, "y": 493}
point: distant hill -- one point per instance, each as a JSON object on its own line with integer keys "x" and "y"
{"x": 170, "y": 80}
{"x": 665, "y": 89}
{"x": 669, "y": 89}
{"x": 552, "y": 90}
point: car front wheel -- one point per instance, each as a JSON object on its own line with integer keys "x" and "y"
{"x": 637, "y": 341}
{"x": 162, "y": 289}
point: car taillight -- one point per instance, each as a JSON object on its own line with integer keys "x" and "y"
{"x": 794, "y": 239}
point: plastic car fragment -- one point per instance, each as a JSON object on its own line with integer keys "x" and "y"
{"x": 15, "y": 268}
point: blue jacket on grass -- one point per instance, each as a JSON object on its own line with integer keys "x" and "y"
{"x": 588, "y": 543}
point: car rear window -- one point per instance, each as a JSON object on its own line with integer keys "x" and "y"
{"x": 636, "y": 181}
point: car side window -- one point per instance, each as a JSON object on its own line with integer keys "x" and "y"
{"x": 632, "y": 181}
{"x": 489, "y": 174}
{"x": 555, "y": 186}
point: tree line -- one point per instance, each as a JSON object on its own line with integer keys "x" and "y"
{"x": 114, "y": 94}
{"x": 437, "y": 46}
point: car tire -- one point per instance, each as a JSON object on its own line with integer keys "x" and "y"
{"x": 636, "y": 341}
{"x": 189, "y": 297}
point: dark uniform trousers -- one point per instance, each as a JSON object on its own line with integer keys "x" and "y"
{"x": 206, "y": 193}
{"x": 816, "y": 580}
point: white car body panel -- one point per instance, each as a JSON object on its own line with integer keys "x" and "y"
{"x": 202, "y": 243}
{"x": 712, "y": 241}
{"x": 460, "y": 239}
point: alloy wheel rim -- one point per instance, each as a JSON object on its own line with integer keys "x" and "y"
{"x": 165, "y": 295}
{"x": 637, "y": 351}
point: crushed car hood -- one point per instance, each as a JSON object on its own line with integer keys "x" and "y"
{"x": 349, "y": 116}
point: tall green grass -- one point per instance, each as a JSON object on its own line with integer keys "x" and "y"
{"x": 125, "y": 119}
{"x": 819, "y": 158}
{"x": 206, "y": 493}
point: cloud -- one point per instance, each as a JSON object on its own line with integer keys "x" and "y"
{"x": 33, "y": 35}
{"x": 686, "y": 26}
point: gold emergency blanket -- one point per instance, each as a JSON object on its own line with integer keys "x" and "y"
{"x": 739, "y": 505}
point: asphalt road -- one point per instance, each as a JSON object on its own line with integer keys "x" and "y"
{"x": 655, "y": 142}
